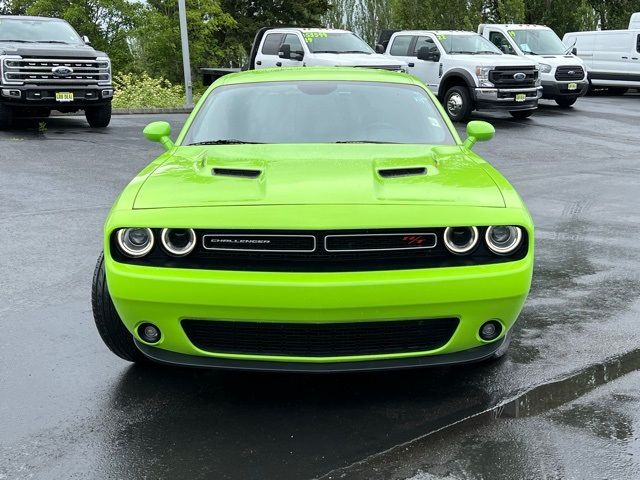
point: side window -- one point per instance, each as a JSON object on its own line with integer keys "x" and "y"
{"x": 294, "y": 42}
{"x": 638, "y": 44}
{"x": 424, "y": 42}
{"x": 400, "y": 45}
{"x": 272, "y": 43}
{"x": 500, "y": 41}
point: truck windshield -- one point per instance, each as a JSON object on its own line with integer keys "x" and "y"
{"x": 538, "y": 42}
{"x": 336, "y": 42}
{"x": 37, "y": 31}
{"x": 467, "y": 45}
{"x": 318, "y": 112}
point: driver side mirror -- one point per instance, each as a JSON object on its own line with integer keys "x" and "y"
{"x": 379, "y": 48}
{"x": 86, "y": 40}
{"x": 428, "y": 54}
{"x": 285, "y": 51}
{"x": 574, "y": 50}
{"x": 159, "y": 132}
{"x": 478, "y": 131}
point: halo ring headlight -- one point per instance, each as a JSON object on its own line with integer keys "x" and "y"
{"x": 135, "y": 242}
{"x": 503, "y": 239}
{"x": 460, "y": 240}
{"x": 178, "y": 241}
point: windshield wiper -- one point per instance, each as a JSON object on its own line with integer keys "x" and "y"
{"x": 361, "y": 141}
{"x": 491, "y": 52}
{"x": 355, "y": 51}
{"x": 15, "y": 40}
{"x": 463, "y": 52}
{"x": 52, "y": 41}
{"x": 227, "y": 141}
{"x": 326, "y": 51}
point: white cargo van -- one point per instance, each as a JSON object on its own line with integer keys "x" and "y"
{"x": 634, "y": 22}
{"x": 612, "y": 57}
{"x": 563, "y": 75}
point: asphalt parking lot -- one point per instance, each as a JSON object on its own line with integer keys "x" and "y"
{"x": 71, "y": 409}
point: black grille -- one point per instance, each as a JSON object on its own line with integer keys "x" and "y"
{"x": 39, "y": 71}
{"x": 505, "y": 77}
{"x": 320, "y": 340}
{"x": 569, "y": 73}
{"x": 380, "y": 242}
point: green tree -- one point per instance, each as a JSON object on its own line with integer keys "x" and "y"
{"x": 364, "y": 17}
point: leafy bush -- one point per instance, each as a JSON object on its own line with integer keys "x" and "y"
{"x": 142, "y": 91}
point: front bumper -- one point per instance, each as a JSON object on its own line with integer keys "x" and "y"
{"x": 505, "y": 98}
{"x": 165, "y": 296}
{"x": 554, "y": 89}
{"x": 34, "y": 96}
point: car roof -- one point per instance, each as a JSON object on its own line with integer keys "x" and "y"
{"x": 517, "y": 26}
{"x": 317, "y": 73}
{"x": 30, "y": 18}
{"x": 311, "y": 29}
{"x": 435, "y": 32}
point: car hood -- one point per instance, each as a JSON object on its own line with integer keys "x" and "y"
{"x": 346, "y": 174}
{"x": 556, "y": 60}
{"x": 499, "y": 60}
{"x": 357, "y": 60}
{"x": 45, "y": 50}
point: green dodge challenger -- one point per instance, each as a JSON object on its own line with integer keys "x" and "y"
{"x": 314, "y": 220}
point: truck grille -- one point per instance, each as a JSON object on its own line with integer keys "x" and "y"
{"x": 570, "y": 73}
{"x": 43, "y": 71}
{"x": 507, "y": 77}
{"x": 320, "y": 339}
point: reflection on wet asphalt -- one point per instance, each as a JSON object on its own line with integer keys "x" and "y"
{"x": 69, "y": 407}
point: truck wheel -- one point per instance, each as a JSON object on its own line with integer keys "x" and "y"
{"x": 98, "y": 117}
{"x": 566, "y": 102}
{"x": 113, "y": 332}
{"x": 520, "y": 114}
{"x": 6, "y": 117}
{"x": 458, "y": 104}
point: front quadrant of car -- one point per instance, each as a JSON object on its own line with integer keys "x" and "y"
{"x": 315, "y": 220}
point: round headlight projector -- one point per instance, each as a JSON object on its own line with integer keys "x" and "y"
{"x": 503, "y": 240}
{"x": 178, "y": 241}
{"x": 460, "y": 240}
{"x": 135, "y": 242}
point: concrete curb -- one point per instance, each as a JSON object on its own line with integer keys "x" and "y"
{"x": 131, "y": 111}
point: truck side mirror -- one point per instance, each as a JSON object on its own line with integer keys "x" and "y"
{"x": 379, "y": 48}
{"x": 574, "y": 50}
{"x": 428, "y": 54}
{"x": 285, "y": 51}
{"x": 298, "y": 56}
{"x": 478, "y": 131}
{"x": 86, "y": 40}
{"x": 159, "y": 132}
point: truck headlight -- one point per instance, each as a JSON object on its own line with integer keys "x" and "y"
{"x": 544, "y": 68}
{"x": 135, "y": 242}
{"x": 503, "y": 239}
{"x": 104, "y": 68}
{"x": 483, "y": 76}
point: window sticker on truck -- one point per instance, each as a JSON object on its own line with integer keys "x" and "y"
{"x": 441, "y": 37}
{"x": 310, "y": 36}
{"x": 512, "y": 33}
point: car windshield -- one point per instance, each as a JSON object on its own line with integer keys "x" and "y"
{"x": 37, "y": 31}
{"x": 467, "y": 45}
{"x": 318, "y": 112}
{"x": 335, "y": 42}
{"x": 538, "y": 42}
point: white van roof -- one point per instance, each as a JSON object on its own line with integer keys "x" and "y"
{"x": 600, "y": 32}
{"x": 634, "y": 21}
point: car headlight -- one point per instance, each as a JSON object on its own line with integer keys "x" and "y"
{"x": 503, "y": 240}
{"x": 483, "y": 76}
{"x": 544, "y": 68}
{"x": 460, "y": 240}
{"x": 178, "y": 241}
{"x": 135, "y": 242}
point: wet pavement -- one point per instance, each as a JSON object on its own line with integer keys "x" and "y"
{"x": 70, "y": 409}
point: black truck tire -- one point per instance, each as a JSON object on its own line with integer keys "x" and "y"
{"x": 566, "y": 102}
{"x": 98, "y": 117}
{"x": 521, "y": 114}
{"x": 6, "y": 117}
{"x": 111, "y": 329}
{"x": 458, "y": 103}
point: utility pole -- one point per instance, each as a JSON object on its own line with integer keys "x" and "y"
{"x": 186, "y": 61}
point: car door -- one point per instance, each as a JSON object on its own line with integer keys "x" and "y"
{"x": 399, "y": 48}
{"x": 612, "y": 56}
{"x": 268, "y": 52}
{"x": 296, "y": 48}
{"x": 502, "y": 42}
{"x": 426, "y": 70}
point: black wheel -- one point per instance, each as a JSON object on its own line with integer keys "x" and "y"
{"x": 98, "y": 117}
{"x": 520, "y": 114}
{"x": 566, "y": 102}
{"x": 113, "y": 332}
{"x": 6, "y": 117}
{"x": 458, "y": 103}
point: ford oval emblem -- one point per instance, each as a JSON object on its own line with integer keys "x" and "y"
{"x": 519, "y": 76}
{"x": 62, "y": 71}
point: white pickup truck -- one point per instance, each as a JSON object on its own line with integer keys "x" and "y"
{"x": 563, "y": 75}
{"x": 309, "y": 47}
{"x": 466, "y": 71}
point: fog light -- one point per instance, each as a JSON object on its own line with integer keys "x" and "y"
{"x": 149, "y": 333}
{"x": 490, "y": 330}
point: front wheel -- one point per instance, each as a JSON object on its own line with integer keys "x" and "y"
{"x": 98, "y": 117}
{"x": 110, "y": 327}
{"x": 566, "y": 102}
{"x": 458, "y": 103}
{"x": 6, "y": 117}
{"x": 521, "y": 114}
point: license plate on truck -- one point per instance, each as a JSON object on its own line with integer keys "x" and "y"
{"x": 572, "y": 86}
{"x": 521, "y": 97}
{"x": 64, "y": 96}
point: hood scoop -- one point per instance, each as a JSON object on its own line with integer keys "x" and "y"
{"x": 236, "y": 172}
{"x": 402, "y": 172}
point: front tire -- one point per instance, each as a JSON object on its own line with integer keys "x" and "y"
{"x": 6, "y": 117}
{"x": 458, "y": 104}
{"x": 110, "y": 327}
{"x": 521, "y": 114}
{"x": 566, "y": 102}
{"x": 98, "y": 117}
